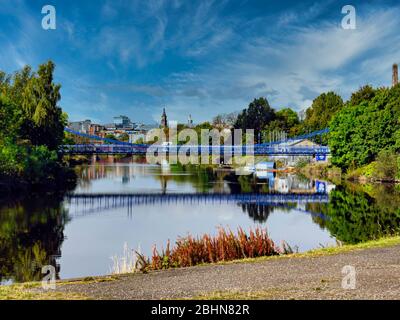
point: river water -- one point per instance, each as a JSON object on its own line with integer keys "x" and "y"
{"x": 128, "y": 202}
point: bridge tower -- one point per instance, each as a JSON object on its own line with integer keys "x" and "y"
{"x": 395, "y": 75}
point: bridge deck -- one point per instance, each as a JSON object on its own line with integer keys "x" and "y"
{"x": 231, "y": 150}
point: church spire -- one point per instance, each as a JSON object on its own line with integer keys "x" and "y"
{"x": 164, "y": 119}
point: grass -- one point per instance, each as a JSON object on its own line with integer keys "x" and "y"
{"x": 88, "y": 280}
{"x": 127, "y": 263}
{"x": 240, "y": 295}
{"x": 225, "y": 246}
{"x": 380, "y": 243}
{"x": 29, "y": 291}
{"x": 32, "y": 290}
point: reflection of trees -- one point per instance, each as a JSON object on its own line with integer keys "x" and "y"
{"x": 320, "y": 210}
{"x": 246, "y": 184}
{"x": 258, "y": 212}
{"x": 200, "y": 177}
{"x": 261, "y": 212}
{"x": 31, "y": 235}
{"x": 362, "y": 214}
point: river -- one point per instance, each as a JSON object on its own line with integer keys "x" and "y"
{"x": 128, "y": 201}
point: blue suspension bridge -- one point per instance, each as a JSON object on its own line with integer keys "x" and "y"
{"x": 110, "y": 147}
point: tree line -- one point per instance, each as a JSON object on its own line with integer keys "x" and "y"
{"x": 31, "y": 127}
{"x": 363, "y": 130}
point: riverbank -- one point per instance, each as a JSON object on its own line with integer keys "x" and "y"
{"x": 61, "y": 180}
{"x": 365, "y": 174}
{"x": 315, "y": 274}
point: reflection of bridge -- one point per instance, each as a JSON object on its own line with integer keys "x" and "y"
{"x": 90, "y": 203}
{"x": 118, "y": 147}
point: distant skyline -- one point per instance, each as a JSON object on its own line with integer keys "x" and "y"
{"x": 201, "y": 58}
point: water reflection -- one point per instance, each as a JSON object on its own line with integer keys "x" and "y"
{"x": 360, "y": 213}
{"x": 79, "y": 239}
{"x": 31, "y": 235}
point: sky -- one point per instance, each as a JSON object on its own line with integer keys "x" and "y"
{"x": 136, "y": 57}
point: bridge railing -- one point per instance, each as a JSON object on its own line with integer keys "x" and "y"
{"x": 117, "y": 142}
{"x": 238, "y": 150}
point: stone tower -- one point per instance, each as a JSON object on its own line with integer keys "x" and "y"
{"x": 395, "y": 76}
{"x": 190, "y": 121}
{"x": 164, "y": 120}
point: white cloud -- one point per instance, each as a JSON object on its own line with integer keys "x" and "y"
{"x": 300, "y": 65}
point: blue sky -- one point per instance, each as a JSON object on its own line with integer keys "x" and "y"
{"x": 199, "y": 57}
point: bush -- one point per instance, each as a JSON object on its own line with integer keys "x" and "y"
{"x": 387, "y": 165}
{"x": 302, "y": 163}
{"x": 10, "y": 156}
{"x": 40, "y": 164}
{"x": 367, "y": 171}
{"x": 226, "y": 246}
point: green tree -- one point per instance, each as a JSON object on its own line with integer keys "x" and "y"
{"x": 111, "y": 136}
{"x": 42, "y": 120}
{"x": 323, "y": 108}
{"x": 364, "y": 94}
{"x": 257, "y": 116}
{"x": 31, "y": 129}
{"x": 124, "y": 137}
{"x": 287, "y": 121}
{"x": 360, "y": 132}
{"x": 288, "y": 117}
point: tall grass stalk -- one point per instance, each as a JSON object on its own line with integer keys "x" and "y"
{"x": 127, "y": 263}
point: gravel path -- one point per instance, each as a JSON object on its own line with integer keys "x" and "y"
{"x": 377, "y": 277}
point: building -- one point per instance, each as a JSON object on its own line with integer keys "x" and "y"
{"x": 96, "y": 129}
{"x": 123, "y": 122}
{"x": 110, "y": 127}
{"x": 292, "y": 160}
{"x": 190, "y": 121}
{"x": 140, "y": 132}
{"x": 164, "y": 120}
{"x": 395, "y": 75}
{"x": 80, "y": 126}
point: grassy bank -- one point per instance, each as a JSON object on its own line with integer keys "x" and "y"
{"x": 375, "y": 172}
{"x": 380, "y": 243}
{"x": 59, "y": 180}
{"x": 320, "y": 170}
{"x": 29, "y": 292}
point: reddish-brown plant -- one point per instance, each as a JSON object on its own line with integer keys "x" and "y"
{"x": 225, "y": 246}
